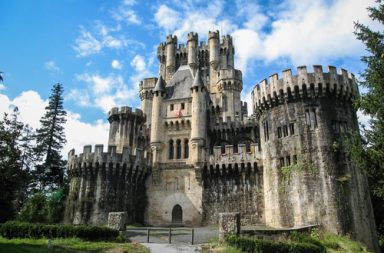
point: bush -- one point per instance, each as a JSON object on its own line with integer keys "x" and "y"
{"x": 15, "y": 229}
{"x": 267, "y": 246}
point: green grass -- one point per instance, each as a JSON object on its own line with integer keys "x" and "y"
{"x": 339, "y": 244}
{"x": 333, "y": 243}
{"x": 72, "y": 245}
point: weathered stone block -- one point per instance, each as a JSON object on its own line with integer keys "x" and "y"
{"x": 229, "y": 223}
{"x": 117, "y": 220}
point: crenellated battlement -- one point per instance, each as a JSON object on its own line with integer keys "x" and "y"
{"x": 137, "y": 158}
{"x": 192, "y": 36}
{"x": 226, "y": 41}
{"x": 341, "y": 84}
{"x": 225, "y": 74}
{"x": 171, "y": 39}
{"x": 243, "y": 154}
{"x": 213, "y": 35}
{"x": 126, "y": 112}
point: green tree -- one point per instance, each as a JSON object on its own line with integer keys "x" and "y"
{"x": 50, "y": 139}
{"x": 11, "y": 172}
{"x": 368, "y": 151}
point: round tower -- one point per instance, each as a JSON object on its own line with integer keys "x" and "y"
{"x": 199, "y": 119}
{"x": 157, "y": 126}
{"x": 308, "y": 177}
{"x": 125, "y": 128}
{"x": 214, "y": 48}
{"x": 146, "y": 96}
{"x": 171, "y": 44}
{"x": 192, "y": 49}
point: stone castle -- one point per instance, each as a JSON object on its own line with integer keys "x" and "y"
{"x": 193, "y": 150}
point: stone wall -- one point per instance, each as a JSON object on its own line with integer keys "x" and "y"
{"x": 237, "y": 189}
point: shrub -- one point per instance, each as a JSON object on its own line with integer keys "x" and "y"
{"x": 267, "y": 246}
{"x": 15, "y": 229}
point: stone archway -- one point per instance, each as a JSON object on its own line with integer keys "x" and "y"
{"x": 177, "y": 215}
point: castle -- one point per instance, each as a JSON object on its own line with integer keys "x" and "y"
{"x": 193, "y": 150}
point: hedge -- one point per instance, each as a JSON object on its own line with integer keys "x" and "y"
{"x": 267, "y": 246}
{"x": 15, "y": 229}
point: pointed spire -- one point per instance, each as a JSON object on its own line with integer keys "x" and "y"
{"x": 197, "y": 82}
{"x": 159, "y": 85}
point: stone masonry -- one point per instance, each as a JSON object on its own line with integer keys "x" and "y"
{"x": 194, "y": 151}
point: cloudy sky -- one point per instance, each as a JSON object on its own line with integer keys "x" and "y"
{"x": 100, "y": 50}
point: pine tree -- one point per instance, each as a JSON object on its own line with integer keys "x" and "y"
{"x": 368, "y": 151}
{"x": 50, "y": 139}
{"x": 11, "y": 172}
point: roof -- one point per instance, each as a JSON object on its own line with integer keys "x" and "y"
{"x": 197, "y": 82}
{"x": 159, "y": 85}
{"x": 179, "y": 86}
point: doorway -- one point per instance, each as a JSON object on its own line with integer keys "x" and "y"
{"x": 177, "y": 215}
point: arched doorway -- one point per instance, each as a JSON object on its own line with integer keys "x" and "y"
{"x": 177, "y": 215}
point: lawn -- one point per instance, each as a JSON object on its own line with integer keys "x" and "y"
{"x": 72, "y": 245}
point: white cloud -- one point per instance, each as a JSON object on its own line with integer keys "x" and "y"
{"x": 116, "y": 64}
{"x": 124, "y": 13}
{"x": 167, "y": 18}
{"x": 32, "y": 108}
{"x": 2, "y": 87}
{"x": 103, "y": 92}
{"x": 87, "y": 44}
{"x": 104, "y": 37}
{"x": 52, "y": 66}
{"x": 138, "y": 63}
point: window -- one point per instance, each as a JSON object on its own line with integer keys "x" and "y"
{"x": 223, "y": 148}
{"x": 285, "y": 128}
{"x": 307, "y": 118}
{"x": 266, "y": 131}
{"x": 186, "y": 148}
{"x": 292, "y": 128}
{"x": 279, "y": 135}
{"x": 178, "y": 149}
{"x": 182, "y": 106}
{"x": 313, "y": 118}
{"x": 248, "y": 147}
{"x": 171, "y": 107}
{"x": 288, "y": 160}
{"x": 170, "y": 150}
{"x": 294, "y": 158}
{"x": 235, "y": 148}
{"x": 281, "y": 162}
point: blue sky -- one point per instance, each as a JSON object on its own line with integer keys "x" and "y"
{"x": 100, "y": 50}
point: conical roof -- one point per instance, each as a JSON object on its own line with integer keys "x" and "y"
{"x": 160, "y": 86}
{"x": 197, "y": 82}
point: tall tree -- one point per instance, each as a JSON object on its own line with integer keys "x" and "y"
{"x": 11, "y": 172}
{"x": 50, "y": 139}
{"x": 368, "y": 152}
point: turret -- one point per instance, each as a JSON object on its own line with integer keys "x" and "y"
{"x": 171, "y": 55}
{"x": 157, "y": 128}
{"x": 199, "y": 118}
{"x": 214, "y": 44}
{"x": 227, "y": 52}
{"x": 146, "y": 95}
{"x": 192, "y": 49}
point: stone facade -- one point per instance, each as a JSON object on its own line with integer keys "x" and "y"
{"x": 229, "y": 224}
{"x": 193, "y": 151}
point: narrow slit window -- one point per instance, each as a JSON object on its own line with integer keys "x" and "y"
{"x": 279, "y": 135}
{"x": 294, "y": 159}
{"x": 186, "y": 148}
{"x": 292, "y": 128}
{"x": 288, "y": 160}
{"x": 178, "y": 149}
{"x": 171, "y": 150}
{"x": 307, "y": 118}
{"x": 182, "y": 106}
{"x": 281, "y": 162}
{"x": 171, "y": 107}
{"x": 285, "y": 128}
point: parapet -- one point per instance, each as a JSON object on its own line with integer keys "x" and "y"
{"x": 171, "y": 39}
{"x": 304, "y": 84}
{"x": 214, "y": 35}
{"x": 230, "y": 74}
{"x": 229, "y": 155}
{"x": 87, "y": 160}
{"x": 126, "y": 112}
{"x": 192, "y": 36}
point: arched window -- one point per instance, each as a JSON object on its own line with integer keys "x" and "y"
{"x": 178, "y": 149}
{"x": 186, "y": 148}
{"x": 170, "y": 151}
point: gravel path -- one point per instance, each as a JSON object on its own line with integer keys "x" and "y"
{"x": 172, "y": 248}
